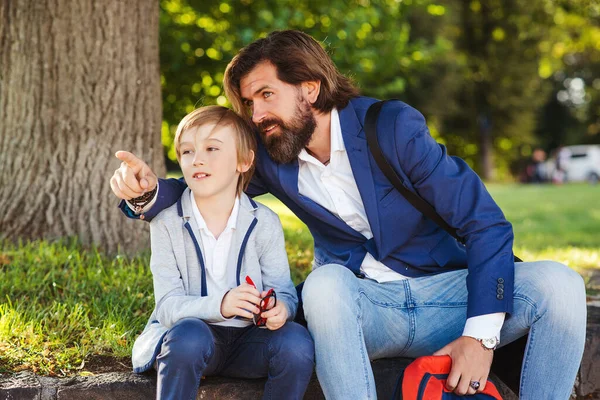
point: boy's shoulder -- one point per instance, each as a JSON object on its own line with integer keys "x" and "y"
{"x": 165, "y": 216}
{"x": 267, "y": 220}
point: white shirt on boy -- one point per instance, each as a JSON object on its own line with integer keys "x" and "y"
{"x": 216, "y": 252}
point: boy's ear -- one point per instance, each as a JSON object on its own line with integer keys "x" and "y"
{"x": 311, "y": 90}
{"x": 245, "y": 166}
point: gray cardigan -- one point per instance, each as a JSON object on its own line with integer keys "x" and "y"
{"x": 257, "y": 249}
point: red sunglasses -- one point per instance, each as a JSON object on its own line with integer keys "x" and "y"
{"x": 264, "y": 302}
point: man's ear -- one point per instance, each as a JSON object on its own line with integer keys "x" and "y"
{"x": 245, "y": 166}
{"x": 311, "y": 90}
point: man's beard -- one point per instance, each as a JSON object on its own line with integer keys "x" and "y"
{"x": 284, "y": 147}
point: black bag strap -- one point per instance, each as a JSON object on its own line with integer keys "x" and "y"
{"x": 413, "y": 198}
{"x": 417, "y": 201}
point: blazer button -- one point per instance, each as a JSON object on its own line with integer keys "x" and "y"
{"x": 500, "y": 286}
{"x": 500, "y": 291}
{"x": 500, "y": 280}
{"x": 499, "y": 297}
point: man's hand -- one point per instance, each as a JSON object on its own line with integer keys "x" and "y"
{"x": 470, "y": 362}
{"x": 242, "y": 301}
{"x": 133, "y": 178}
{"x": 276, "y": 316}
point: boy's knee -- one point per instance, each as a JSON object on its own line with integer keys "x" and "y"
{"x": 294, "y": 346}
{"x": 189, "y": 341}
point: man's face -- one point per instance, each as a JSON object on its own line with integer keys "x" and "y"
{"x": 280, "y": 111}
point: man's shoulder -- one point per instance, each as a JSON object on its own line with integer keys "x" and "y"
{"x": 392, "y": 108}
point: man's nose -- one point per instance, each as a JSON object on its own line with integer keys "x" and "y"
{"x": 258, "y": 114}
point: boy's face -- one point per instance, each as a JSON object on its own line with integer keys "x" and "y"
{"x": 208, "y": 159}
{"x": 282, "y": 112}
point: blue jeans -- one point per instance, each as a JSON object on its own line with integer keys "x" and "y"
{"x": 356, "y": 320}
{"x": 193, "y": 348}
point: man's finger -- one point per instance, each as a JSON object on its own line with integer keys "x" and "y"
{"x": 464, "y": 386}
{"x": 453, "y": 378}
{"x": 482, "y": 383}
{"x": 131, "y": 160}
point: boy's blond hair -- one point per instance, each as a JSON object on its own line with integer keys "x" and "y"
{"x": 222, "y": 116}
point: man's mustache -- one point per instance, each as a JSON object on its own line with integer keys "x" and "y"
{"x": 263, "y": 125}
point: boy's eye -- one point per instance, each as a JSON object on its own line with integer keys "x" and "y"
{"x": 267, "y": 94}
{"x": 186, "y": 152}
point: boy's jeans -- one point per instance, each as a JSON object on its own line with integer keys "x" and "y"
{"x": 356, "y": 320}
{"x": 193, "y": 348}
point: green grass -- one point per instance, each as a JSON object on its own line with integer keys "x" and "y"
{"x": 61, "y": 303}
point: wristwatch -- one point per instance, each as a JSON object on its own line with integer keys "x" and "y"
{"x": 489, "y": 343}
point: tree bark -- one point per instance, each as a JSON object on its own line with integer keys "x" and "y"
{"x": 79, "y": 80}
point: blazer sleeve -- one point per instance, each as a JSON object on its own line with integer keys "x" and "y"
{"x": 461, "y": 199}
{"x": 169, "y": 191}
{"x": 172, "y": 302}
{"x": 275, "y": 269}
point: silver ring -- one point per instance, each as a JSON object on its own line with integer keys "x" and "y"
{"x": 475, "y": 385}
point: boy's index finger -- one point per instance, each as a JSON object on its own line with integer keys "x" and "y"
{"x": 131, "y": 160}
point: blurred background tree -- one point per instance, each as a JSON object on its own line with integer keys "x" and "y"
{"x": 494, "y": 78}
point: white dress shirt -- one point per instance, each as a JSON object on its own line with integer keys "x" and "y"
{"x": 216, "y": 251}
{"x": 333, "y": 187}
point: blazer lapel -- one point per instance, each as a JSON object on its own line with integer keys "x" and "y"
{"x": 359, "y": 156}
{"x": 288, "y": 176}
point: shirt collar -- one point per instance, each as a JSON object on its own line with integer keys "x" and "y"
{"x": 231, "y": 222}
{"x": 337, "y": 140}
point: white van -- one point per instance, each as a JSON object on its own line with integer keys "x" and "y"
{"x": 583, "y": 164}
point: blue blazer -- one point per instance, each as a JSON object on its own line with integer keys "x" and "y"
{"x": 403, "y": 239}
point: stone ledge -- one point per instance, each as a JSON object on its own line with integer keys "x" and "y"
{"x": 129, "y": 386}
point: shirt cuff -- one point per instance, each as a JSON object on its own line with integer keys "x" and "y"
{"x": 484, "y": 326}
{"x": 147, "y": 207}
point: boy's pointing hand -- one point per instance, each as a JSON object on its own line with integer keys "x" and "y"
{"x": 133, "y": 178}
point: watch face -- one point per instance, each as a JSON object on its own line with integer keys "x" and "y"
{"x": 490, "y": 343}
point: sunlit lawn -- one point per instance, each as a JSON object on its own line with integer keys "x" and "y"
{"x": 61, "y": 303}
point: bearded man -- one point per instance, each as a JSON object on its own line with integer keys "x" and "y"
{"x": 386, "y": 280}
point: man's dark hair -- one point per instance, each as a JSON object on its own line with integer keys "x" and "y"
{"x": 298, "y": 58}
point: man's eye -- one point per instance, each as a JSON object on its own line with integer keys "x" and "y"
{"x": 267, "y": 94}
{"x": 248, "y": 103}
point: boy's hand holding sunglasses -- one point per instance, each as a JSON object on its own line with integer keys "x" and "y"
{"x": 273, "y": 314}
{"x": 242, "y": 301}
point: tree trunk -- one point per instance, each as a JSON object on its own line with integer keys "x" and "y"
{"x": 79, "y": 80}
